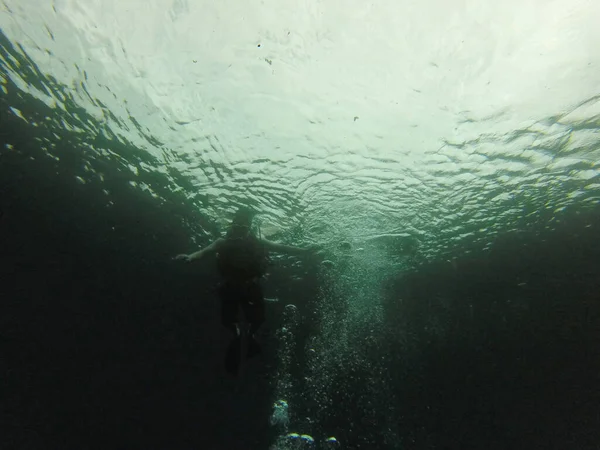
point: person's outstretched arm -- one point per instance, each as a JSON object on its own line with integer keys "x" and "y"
{"x": 212, "y": 248}
{"x": 288, "y": 249}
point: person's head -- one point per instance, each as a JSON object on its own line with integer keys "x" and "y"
{"x": 242, "y": 220}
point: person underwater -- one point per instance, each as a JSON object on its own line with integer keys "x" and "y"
{"x": 242, "y": 259}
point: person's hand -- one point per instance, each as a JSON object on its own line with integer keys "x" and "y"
{"x": 185, "y": 258}
{"x": 316, "y": 250}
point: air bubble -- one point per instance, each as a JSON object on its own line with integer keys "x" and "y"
{"x": 307, "y": 441}
{"x": 332, "y": 443}
{"x": 280, "y": 416}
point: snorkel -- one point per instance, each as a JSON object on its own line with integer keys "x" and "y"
{"x": 258, "y": 222}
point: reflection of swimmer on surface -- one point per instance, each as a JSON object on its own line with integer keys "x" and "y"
{"x": 242, "y": 260}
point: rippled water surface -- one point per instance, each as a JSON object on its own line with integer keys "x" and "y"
{"x": 430, "y": 124}
{"x": 398, "y": 134}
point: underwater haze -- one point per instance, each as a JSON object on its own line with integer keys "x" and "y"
{"x": 443, "y": 155}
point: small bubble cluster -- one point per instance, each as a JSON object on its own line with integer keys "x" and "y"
{"x": 296, "y": 441}
{"x": 280, "y": 416}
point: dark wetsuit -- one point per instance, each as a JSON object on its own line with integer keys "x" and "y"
{"x": 242, "y": 262}
{"x": 249, "y": 296}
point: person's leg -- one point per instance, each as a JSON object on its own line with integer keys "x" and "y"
{"x": 229, "y": 308}
{"x": 229, "y": 318}
{"x": 254, "y": 310}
